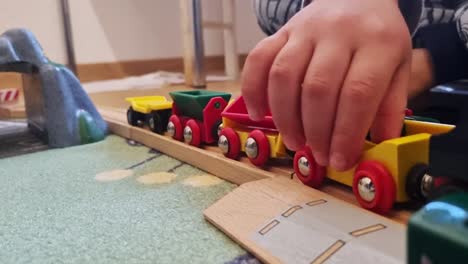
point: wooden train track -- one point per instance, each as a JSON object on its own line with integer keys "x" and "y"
{"x": 210, "y": 159}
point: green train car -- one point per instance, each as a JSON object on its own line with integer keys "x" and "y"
{"x": 438, "y": 232}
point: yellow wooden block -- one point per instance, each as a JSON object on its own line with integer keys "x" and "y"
{"x": 147, "y": 104}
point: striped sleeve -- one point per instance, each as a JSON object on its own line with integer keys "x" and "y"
{"x": 273, "y": 14}
{"x": 461, "y": 20}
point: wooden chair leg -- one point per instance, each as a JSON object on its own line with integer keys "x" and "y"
{"x": 231, "y": 57}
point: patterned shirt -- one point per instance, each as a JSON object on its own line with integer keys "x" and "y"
{"x": 440, "y": 26}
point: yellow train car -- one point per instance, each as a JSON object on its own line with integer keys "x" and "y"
{"x": 388, "y": 172}
{"x": 153, "y": 111}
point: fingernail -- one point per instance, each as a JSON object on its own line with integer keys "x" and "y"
{"x": 320, "y": 158}
{"x": 338, "y": 161}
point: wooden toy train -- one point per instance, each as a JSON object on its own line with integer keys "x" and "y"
{"x": 399, "y": 170}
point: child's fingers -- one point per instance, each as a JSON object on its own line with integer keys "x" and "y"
{"x": 255, "y": 74}
{"x": 284, "y": 89}
{"x": 389, "y": 118}
{"x": 363, "y": 89}
{"x": 320, "y": 92}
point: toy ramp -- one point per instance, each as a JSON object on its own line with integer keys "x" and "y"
{"x": 282, "y": 221}
{"x": 58, "y": 108}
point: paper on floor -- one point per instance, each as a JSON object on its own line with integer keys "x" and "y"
{"x": 148, "y": 81}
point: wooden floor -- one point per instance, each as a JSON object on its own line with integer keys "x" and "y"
{"x": 113, "y": 107}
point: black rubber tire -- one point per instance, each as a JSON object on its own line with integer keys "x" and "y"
{"x": 133, "y": 117}
{"x": 154, "y": 122}
{"x": 274, "y": 14}
{"x": 413, "y": 182}
{"x": 165, "y": 115}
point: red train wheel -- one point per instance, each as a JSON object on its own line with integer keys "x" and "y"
{"x": 374, "y": 187}
{"x": 192, "y": 133}
{"x": 174, "y": 127}
{"x": 307, "y": 170}
{"x": 257, "y": 148}
{"x": 229, "y": 143}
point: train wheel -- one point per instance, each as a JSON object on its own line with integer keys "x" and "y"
{"x": 374, "y": 187}
{"x": 219, "y": 129}
{"x": 257, "y": 148}
{"x": 155, "y": 123}
{"x": 192, "y": 133}
{"x": 132, "y": 117}
{"x": 174, "y": 127}
{"x": 307, "y": 170}
{"x": 418, "y": 183}
{"x": 229, "y": 143}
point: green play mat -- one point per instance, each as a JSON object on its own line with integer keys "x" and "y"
{"x": 109, "y": 202}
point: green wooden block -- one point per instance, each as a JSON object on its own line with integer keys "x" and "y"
{"x": 438, "y": 232}
{"x": 192, "y": 103}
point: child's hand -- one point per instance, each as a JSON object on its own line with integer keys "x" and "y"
{"x": 337, "y": 69}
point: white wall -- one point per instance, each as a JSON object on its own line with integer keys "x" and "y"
{"x": 42, "y": 17}
{"x": 119, "y": 30}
